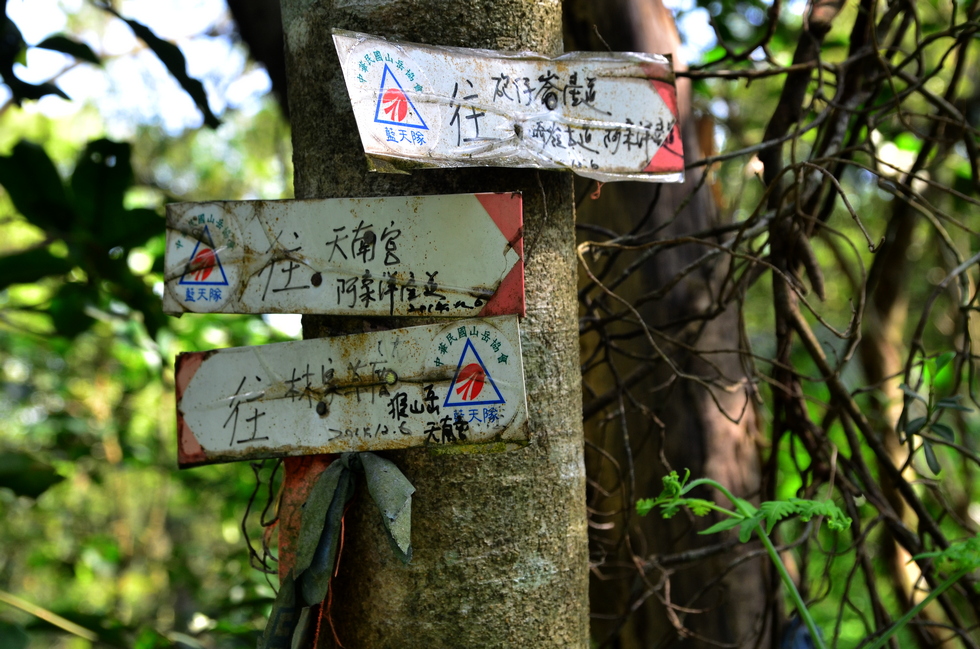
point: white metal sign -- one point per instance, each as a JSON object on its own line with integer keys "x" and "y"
{"x": 447, "y": 384}
{"x": 605, "y": 116}
{"x": 454, "y": 255}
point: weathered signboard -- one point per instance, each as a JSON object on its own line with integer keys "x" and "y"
{"x": 453, "y": 255}
{"x": 448, "y": 384}
{"x": 605, "y": 116}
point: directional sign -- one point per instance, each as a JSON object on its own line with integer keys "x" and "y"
{"x": 455, "y": 255}
{"x": 606, "y": 116}
{"x": 439, "y": 385}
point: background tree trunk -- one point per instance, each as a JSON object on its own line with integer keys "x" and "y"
{"x": 499, "y": 540}
{"x": 662, "y": 422}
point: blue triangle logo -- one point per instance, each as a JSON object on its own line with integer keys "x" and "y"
{"x": 472, "y": 385}
{"x": 206, "y": 260}
{"x": 394, "y": 106}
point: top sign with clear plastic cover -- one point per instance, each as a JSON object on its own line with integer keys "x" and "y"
{"x": 606, "y": 116}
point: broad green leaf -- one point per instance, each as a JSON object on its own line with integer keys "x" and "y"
{"x": 746, "y": 527}
{"x": 943, "y": 431}
{"x": 745, "y": 505}
{"x": 30, "y": 266}
{"x": 26, "y": 475}
{"x": 943, "y": 360}
{"x": 71, "y": 47}
{"x": 35, "y": 188}
{"x": 915, "y": 425}
{"x": 68, "y": 307}
{"x": 102, "y": 175}
{"x": 931, "y": 459}
{"x": 953, "y": 403}
{"x": 722, "y": 525}
{"x": 909, "y": 392}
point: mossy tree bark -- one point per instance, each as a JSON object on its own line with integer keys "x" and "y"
{"x": 500, "y": 539}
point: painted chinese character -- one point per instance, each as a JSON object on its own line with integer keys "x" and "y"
{"x": 189, "y": 295}
{"x": 490, "y": 415}
{"x": 502, "y": 359}
{"x": 237, "y": 400}
{"x": 214, "y": 294}
{"x": 336, "y": 243}
{"x": 418, "y": 137}
{"x": 461, "y": 332}
{"x": 389, "y": 237}
{"x": 363, "y": 243}
{"x": 390, "y": 134}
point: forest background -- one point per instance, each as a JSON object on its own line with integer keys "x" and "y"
{"x": 100, "y": 529}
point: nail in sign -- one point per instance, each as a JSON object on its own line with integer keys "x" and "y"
{"x": 453, "y": 255}
{"x": 606, "y": 116}
{"x": 440, "y": 385}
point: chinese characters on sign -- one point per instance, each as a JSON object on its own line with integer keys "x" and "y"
{"x": 606, "y": 116}
{"x": 455, "y": 255}
{"x": 457, "y": 383}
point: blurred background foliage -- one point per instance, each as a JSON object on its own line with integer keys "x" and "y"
{"x": 98, "y": 525}
{"x": 100, "y": 528}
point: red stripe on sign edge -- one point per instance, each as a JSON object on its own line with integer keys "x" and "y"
{"x": 507, "y": 211}
{"x": 509, "y": 297}
{"x": 669, "y": 157}
{"x": 189, "y": 450}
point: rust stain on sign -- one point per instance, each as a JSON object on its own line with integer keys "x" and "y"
{"x": 453, "y": 255}
{"x": 607, "y": 116}
{"x": 443, "y": 385}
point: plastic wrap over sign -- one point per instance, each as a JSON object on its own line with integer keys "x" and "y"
{"x": 609, "y": 116}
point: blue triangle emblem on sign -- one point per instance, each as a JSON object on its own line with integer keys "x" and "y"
{"x": 472, "y": 385}
{"x": 394, "y": 106}
{"x": 204, "y": 267}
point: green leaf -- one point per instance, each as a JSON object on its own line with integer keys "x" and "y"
{"x": 722, "y": 525}
{"x": 776, "y": 510}
{"x": 746, "y": 527}
{"x": 26, "y": 475}
{"x": 943, "y": 360}
{"x": 909, "y": 392}
{"x": 931, "y": 459}
{"x": 644, "y": 505}
{"x": 71, "y": 47}
{"x": 698, "y": 506}
{"x": 29, "y": 266}
{"x": 745, "y": 505}
{"x": 35, "y": 188}
{"x": 13, "y": 636}
{"x": 392, "y": 492}
{"x": 102, "y": 175}
{"x": 943, "y": 431}
{"x": 68, "y": 307}
{"x": 915, "y": 425}
{"x": 953, "y": 403}
{"x": 171, "y": 56}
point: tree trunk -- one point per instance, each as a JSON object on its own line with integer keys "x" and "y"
{"x": 500, "y": 555}
{"x": 654, "y": 582}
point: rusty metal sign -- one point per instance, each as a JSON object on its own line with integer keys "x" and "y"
{"x": 605, "y": 116}
{"x": 458, "y": 383}
{"x": 454, "y": 255}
